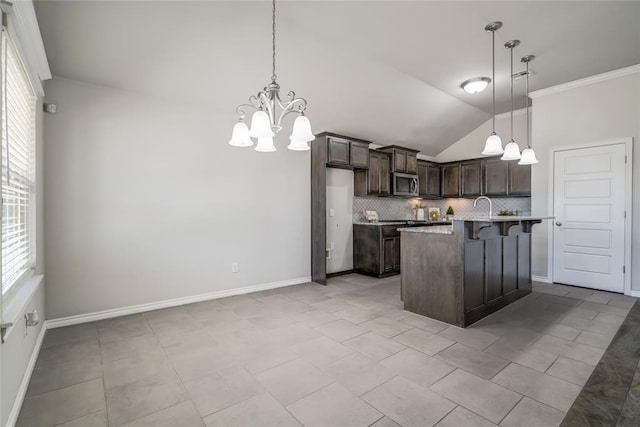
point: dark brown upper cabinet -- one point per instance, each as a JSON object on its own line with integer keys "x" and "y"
{"x": 471, "y": 178}
{"x": 338, "y": 151}
{"x": 450, "y": 182}
{"x": 375, "y": 181}
{"x": 347, "y": 153}
{"x": 359, "y": 155}
{"x": 428, "y": 179}
{"x": 403, "y": 160}
{"x": 496, "y": 177}
{"x": 519, "y": 179}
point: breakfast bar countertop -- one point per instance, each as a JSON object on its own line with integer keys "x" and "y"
{"x": 433, "y": 229}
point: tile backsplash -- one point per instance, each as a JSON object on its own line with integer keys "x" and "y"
{"x": 392, "y": 208}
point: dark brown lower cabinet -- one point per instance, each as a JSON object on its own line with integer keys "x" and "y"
{"x": 376, "y": 249}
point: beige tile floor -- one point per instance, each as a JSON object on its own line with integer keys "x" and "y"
{"x": 341, "y": 355}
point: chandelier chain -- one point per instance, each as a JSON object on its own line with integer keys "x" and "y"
{"x": 273, "y": 40}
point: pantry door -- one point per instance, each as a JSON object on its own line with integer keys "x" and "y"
{"x": 589, "y": 208}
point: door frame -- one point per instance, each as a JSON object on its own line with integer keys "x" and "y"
{"x": 628, "y": 203}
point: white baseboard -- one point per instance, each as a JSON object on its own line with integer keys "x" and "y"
{"x": 116, "y": 312}
{"x": 542, "y": 279}
{"x": 634, "y": 293}
{"x": 22, "y": 391}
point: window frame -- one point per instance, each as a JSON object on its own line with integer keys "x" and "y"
{"x": 9, "y": 47}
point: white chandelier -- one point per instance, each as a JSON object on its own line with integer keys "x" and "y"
{"x": 266, "y": 120}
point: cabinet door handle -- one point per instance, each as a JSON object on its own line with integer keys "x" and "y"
{"x": 558, "y": 224}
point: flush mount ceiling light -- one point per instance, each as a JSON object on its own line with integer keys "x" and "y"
{"x": 493, "y": 145}
{"x": 267, "y": 121}
{"x": 476, "y": 85}
{"x": 511, "y": 150}
{"x": 528, "y": 155}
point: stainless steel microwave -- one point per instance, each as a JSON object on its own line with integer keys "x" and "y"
{"x": 404, "y": 184}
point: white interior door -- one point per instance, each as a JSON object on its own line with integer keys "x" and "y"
{"x": 339, "y": 220}
{"x": 589, "y": 206}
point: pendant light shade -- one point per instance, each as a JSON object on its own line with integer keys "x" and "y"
{"x": 512, "y": 150}
{"x": 240, "y": 136}
{"x": 493, "y": 144}
{"x": 528, "y": 155}
{"x": 265, "y": 145}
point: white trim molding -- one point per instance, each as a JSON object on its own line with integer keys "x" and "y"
{"x": 586, "y": 81}
{"x": 140, "y": 308}
{"x": 22, "y": 24}
{"x": 542, "y": 279}
{"x": 26, "y": 378}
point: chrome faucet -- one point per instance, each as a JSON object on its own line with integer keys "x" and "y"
{"x": 475, "y": 203}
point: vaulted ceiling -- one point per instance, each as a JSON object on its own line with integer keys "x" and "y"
{"x": 387, "y": 71}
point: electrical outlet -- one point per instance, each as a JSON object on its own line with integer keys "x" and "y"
{"x": 234, "y": 267}
{"x": 332, "y": 212}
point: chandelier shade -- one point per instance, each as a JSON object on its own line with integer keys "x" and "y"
{"x": 240, "y": 136}
{"x": 265, "y": 145}
{"x": 260, "y": 125}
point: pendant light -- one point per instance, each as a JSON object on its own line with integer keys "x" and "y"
{"x": 266, "y": 121}
{"x": 511, "y": 151}
{"x": 493, "y": 145}
{"x": 528, "y": 155}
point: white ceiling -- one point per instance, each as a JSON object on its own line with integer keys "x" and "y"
{"x": 388, "y": 71}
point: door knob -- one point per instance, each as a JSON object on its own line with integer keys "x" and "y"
{"x": 558, "y": 224}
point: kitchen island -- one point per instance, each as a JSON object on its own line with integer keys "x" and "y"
{"x": 463, "y": 272}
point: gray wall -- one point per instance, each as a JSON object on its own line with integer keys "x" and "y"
{"x": 145, "y": 201}
{"x": 598, "y": 112}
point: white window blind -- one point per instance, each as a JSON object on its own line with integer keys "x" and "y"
{"x": 18, "y": 168}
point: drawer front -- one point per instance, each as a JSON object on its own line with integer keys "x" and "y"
{"x": 391, "y": 230}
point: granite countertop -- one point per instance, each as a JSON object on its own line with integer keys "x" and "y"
{"x": 432, "y": 229}
{"x": 412, "y": 222}
{"x": 501, "y": 218}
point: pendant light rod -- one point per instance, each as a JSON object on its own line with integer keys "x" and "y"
{"x": 528, "y": 156}
{"x": 493, "y": 27}
{"x": 511, "y": 150}
{"x": 510, "y": 45}
{"x": 526, "y": 60}
{"x": 493, "y": 144}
